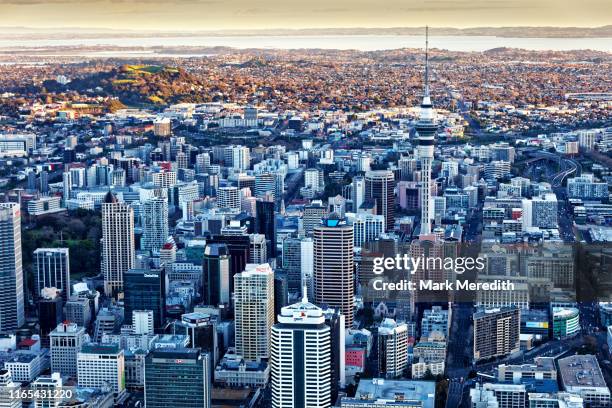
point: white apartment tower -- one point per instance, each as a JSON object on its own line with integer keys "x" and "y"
{"x": 11, "y": 272}
{"x": 254, "y": 310}
{"x": 392, "y": 348}
{"x": 154, "y": 220}
{"x": 117, "y": 243}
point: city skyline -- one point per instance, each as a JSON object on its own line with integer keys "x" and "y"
{"x": 444, "y": 216}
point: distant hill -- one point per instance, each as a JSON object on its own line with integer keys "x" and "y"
{"x": 138, "y": 85}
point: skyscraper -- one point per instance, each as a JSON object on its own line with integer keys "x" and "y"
{"x": 265, "y": 224}
{"x": 333, "y": 266}
{"x": 216, "y": 275}
{"x": 53, "y": 270}
{"x": 300, "y": 358}
{"x": 239, "y": 247}
{"x": 66, "y": 187}
{"x": 11, "y": 272}
{"x": 154, "y": 219}
{"x": 426, "y": 129}
{"x": 379, "y": 186}
{"x": 358, "y": 192}
{"x": 146, "y": 290}
{"x": 254, "y": 311}
{"x": 117, "y": 243}
{"x": 177, "y": 377}
{"x": 292, "y": 262}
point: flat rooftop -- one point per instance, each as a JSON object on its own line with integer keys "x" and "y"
{"x": 581, "y": 371}
{"x": 378, "y": 388}
{"x": 539, "y": 364}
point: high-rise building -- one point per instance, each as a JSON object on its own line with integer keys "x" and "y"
{"x": 496, "y": 332}
{"x": 216, "y": 275}
{"x": 78, "y": 311}
{"x": 426, "y": 129}
{"x": 333, "y": 266}
{"x": 66, "y": 187}
{"x": 50, "y": 312}
{"x": 300, "y": 358}
{"x": 202, "y": 331}
{"x": 307, "y": 250}
{"x": 586, "y": 188}
{"x": 239, "y": 247}
{"x": 312, "y": 180}
{"x": 162, "y": 127}
{"x": 313, "y": 214}
{"x": 335, "y": 320}
{"x": 7, "y": 384}
{"x": 254, "y": 311}
{"x": 228, "y": 198}
{"x": 265, "y": 186}
{"x": 392, "y": 348}
{"x": 237, "y": 157}
{"x": 379, "y": 186}
{"x": 586, "y": 139}
{"x": 177, "y": 377}
{"x": 164, "y": 179}
{"x": 265, "y": 223}
{"x": 358, "y": 192}
{"x": 434, "y": 320}
{"x": 100, "y": 365}
{"x": 11, "y": 272}
{"x": 540, "y": 211}
{"x": 143, "y": 322}
{"x": 117, "y": 243}
{"x": 146, "y": 289}
{"x": 154, "y": 220}
{"x": 292, "y": 262}
{"x": 258, "y": 252}
{"x": 53, "y": 270}
{"x": 367, "y": 227}
{"x": 66, "y": 342}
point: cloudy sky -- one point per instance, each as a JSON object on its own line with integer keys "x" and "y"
{"x": 255, "y": 14}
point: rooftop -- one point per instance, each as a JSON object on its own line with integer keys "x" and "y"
{"x": 392, "y": 390}
{"x": 581, "y": 371}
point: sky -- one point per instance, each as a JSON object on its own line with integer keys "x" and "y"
{"x": 176, "y": 15}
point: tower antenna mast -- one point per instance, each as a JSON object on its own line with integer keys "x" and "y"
{"x": 426, "y": 60}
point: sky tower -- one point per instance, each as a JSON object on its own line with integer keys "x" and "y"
{"x": 426, "y": 129}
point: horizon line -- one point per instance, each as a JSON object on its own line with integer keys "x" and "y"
{"x": 217, "y": 30}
